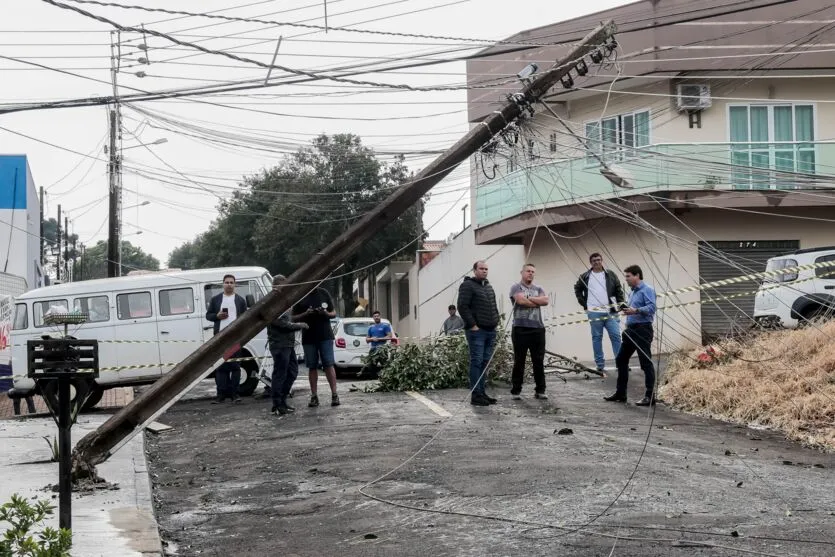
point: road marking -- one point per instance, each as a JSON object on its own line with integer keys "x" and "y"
{"x": 436, "y": 408}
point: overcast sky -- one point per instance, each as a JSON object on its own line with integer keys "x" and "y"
{"x": 184, "y": 178}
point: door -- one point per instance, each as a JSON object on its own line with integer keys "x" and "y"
{"x": 179, "y": 326}
{"x": 825, "y": 282}
{"x": 99, "y": 326}
{"x": 136, "y": 321}
{"x": 728, "y": 259}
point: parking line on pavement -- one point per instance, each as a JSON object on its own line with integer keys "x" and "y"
{"x": 436, "y": 408}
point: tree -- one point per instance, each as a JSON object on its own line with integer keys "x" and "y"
{"x": 284, "y": 214}
{"x": 94, "y": 262}
{"x": 50, "y": 235}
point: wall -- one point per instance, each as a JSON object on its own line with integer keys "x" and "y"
{"x": 439, "y": 280}
{"x": 666, "y": 266}
{"x": 19, "y": 221}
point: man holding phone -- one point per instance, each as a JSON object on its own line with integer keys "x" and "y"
{"x": 223, "y": 310}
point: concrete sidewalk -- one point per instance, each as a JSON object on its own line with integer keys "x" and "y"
{"x": 106, "y": 522}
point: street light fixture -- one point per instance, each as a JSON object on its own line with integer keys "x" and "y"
{"x": 159, "y": 141}
{"x": 137, "y": 205}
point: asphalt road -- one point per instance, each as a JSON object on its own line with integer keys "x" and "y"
{"x": 233, "y": 480}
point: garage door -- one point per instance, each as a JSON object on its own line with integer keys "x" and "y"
{"x": 722, "y": 260}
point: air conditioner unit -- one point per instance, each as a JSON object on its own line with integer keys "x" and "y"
{"x": 693, "y": 97}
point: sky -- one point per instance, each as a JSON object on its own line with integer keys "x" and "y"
{"x": 174, "y": 174}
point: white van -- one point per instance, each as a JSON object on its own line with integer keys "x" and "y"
{"x": 163, "y": 313}
{"x": 793, "y": 298}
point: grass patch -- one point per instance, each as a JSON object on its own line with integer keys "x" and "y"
{"x": 784, "y": 380}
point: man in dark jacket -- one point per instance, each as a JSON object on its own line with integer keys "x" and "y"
{"x": 600, "y": 292}
{"x": 281, "y": 334}
{"x": 477, "y": 307}
{"x": 223, "y": 310}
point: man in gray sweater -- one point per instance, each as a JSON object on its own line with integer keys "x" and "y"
{"x": 281, "y": 334}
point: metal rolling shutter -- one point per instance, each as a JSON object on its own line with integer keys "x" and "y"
{"x": 726, "y": 317}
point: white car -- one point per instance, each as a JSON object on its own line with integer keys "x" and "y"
{"x": 795, "y": 297}
{"x": 349, "y": 344}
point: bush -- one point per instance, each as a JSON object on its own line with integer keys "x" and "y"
{"x": 18, "y": 541}
{"x": 436, "y": 363}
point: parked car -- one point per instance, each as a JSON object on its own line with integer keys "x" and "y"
{"x": 793, "y": 298}
{"x": 349, "y": 344}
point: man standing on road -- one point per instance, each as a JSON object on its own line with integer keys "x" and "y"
{"x": 640, "y": 313}
{"x": 477, "y": 304}
{"x": 316, "y": 310}
{"x": 379, "y": 333}
{"x": 528, "y": 332}
{"x": 223, "y": 310}
{"x": 453, "y": 323}
{"x": 600, "y": 293}
{"x": 281, "y": 334}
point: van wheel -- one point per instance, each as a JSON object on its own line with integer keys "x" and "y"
{"x": 249, "y": 379}
{"x": 813, "y": 314}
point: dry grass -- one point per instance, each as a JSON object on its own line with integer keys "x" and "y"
{"x": 784, "y": 380}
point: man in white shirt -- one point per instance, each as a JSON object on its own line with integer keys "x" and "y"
{"x": 600, "y": 292}
{"x": 223, "y": 310}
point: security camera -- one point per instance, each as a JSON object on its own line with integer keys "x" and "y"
{"x": 527, "y": 71}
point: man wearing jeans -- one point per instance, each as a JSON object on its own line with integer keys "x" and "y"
{"x": 281, "y": 334}
{"x": 600, "y": 292}
{"x": 223, "y": 310}
{"x": 637, "y": 337}
{"x": 477, "y": 306}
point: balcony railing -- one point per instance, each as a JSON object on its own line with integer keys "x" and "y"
{"x": 658, "y": 167}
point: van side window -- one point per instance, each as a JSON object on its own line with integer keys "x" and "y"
{"x": 40, "y": 308}
{"x": 825, "y": 272}
{"x": 135, "y": 305}
{"x": 179, "y": 301}
{"x": 242, "y": 288}
{"x": 98, "y": 307}
{"x": 21, "y": 317}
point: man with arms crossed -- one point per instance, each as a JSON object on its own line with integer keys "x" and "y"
{"x": 528, "y": 332}
{"x": 477, "y": 304}
{"x": 316, "y": 310}
{"x": 223, "y": 310}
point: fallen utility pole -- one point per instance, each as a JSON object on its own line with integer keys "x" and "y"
{"x": 96, "y": 446}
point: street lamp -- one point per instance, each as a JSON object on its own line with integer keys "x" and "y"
{"x": 159, "y": 141}
{"x": 137, "y": 205}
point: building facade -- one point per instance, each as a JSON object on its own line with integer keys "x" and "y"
{"x": 20, "y": 224}
{"x": 719, "y": 128}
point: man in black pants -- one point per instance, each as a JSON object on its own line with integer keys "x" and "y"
{"x": 528, "y": 332}
{"x": 223, "y": 310}
{"x": 638, "y": 335}
{"x": 281, "y": 334}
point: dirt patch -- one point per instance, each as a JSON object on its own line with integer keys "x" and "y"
{"x": 85, "y": 487}
{"x": 782, "y": 380}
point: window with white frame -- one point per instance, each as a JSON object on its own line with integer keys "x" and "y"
{"x": 771, "y": 143}
{"x": 616, "y": 137}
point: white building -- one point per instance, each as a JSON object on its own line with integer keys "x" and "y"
{"x": 20, "y": 221}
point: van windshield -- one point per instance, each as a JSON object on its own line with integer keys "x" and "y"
{"x": 779, "y": 264}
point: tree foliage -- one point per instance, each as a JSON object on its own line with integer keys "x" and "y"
{"x": 286, "y": 214}
{"x": 20, "y": 518}
{"x": 93, "y": 264}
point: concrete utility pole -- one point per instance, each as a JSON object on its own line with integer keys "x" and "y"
{"x": 113, "y": 238}
{"x": 42, "y": 242}
{"x": 67, "y": 249}
{"x": 58, "y": 240}
{"x": 96, "y": 446}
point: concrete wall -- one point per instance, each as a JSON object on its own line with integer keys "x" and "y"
{"x": 667, "y": 264}
{"x": 439, "y": 280}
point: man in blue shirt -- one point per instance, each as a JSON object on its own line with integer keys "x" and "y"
{"x": 637, "y": 336}
{"x": 379, "y": 333}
